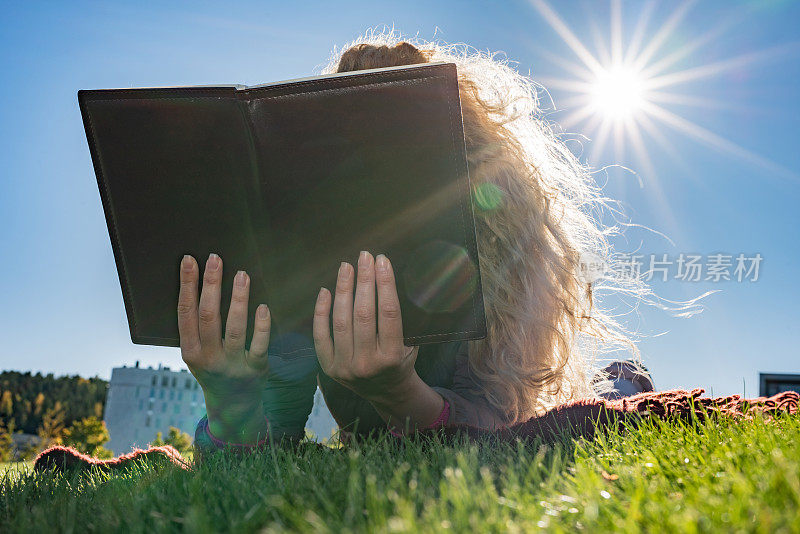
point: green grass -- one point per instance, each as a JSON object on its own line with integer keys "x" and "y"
{"x": 715, "y": 477}
{"x": 14, "y": 468}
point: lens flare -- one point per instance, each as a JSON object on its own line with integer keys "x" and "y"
{"x": 440, "y": 278}
{"x": 488, "y": 196}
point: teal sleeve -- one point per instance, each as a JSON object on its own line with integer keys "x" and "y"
{"x": 288, "y": 398}
{"x": 205, "y": 443}
{"x": 288, "y": 394}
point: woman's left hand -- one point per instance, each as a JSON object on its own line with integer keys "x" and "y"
{"x": 374, "y": 364}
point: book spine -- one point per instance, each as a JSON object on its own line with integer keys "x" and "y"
{"x": 259, "y": 216}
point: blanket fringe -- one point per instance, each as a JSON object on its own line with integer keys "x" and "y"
{"x": 578, "y": 419}
{"x": 67, "y": 458}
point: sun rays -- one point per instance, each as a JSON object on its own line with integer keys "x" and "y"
{"x": 618, "y": 92}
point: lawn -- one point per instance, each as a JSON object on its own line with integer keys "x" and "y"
{"x": 14, "y": 467}
{"x": 712, "y": 477}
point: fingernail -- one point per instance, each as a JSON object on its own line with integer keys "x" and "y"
{"x": 186, "y": 263}
{"x": 344, "y": 272}
{"x": 322, "y": 294}
{"x": 261, "y": 312}
{"x": 240, "y": 279}
{"x": 363, "y": 259}
{"x": 213, "y": 262}
{"x": 382, "y": 263}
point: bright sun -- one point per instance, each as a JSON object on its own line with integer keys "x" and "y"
{"x": 617, "y": 92}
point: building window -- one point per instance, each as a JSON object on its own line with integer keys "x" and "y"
{"x": 174, "y": 381}
{"x": 152, "y": 392}
{"x": 172, "y": 394}
{"x": 147, "y": 421}
{"x": 177, "y": 408}
{"x": 161, "y": 394}
{"x": 164, "y": 381}
{"x": 155, "y": 380}
{"x": 180, "y": 395}
{"x": 137, "y": 391}
{"x": 141, "y": 404}
{"x": 194, "y": 397}
{"x": 188, "y": 383}
{"x": 195, "y": 385}
{"x": 163, "y": 407}
{"x": 158, "y": 422}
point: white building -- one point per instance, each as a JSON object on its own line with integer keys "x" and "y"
{"x": 320, "y": 421}
{"x": 141, "y": 402}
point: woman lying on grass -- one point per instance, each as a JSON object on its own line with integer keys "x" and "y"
{"x": 536, "y": 214}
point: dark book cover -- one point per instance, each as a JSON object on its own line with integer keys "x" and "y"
{"x": 285, "y": 181}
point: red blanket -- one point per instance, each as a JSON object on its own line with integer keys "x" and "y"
{"x": 579, "y": 419}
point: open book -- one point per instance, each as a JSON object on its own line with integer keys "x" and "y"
{"x": 286, "y": 180}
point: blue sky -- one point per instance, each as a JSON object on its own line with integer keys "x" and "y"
{"x": 62, "y": 307}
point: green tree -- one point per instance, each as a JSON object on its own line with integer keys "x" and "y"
{"x": 6, "y": 404}
{"x": 38, "y": 402}
{"x": 25, "y": 398}
{"x": 88, "y": 436}
{"x": 180, "y": 440}
{"x": 51, "y": 432}
{"x": 6, "y": 441}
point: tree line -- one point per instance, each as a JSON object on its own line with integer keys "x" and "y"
{"x": 29, "y": 402}
{"x": 64, "y": 410}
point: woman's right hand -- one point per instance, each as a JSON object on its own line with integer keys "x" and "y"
{"x": 232, "y": 378}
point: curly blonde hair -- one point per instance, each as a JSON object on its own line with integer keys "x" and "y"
{"x": 537, "y": 212}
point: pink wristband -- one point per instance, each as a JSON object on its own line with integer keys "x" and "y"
{"x": 440, "y": 421}
{"x": 221, "y": 444}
